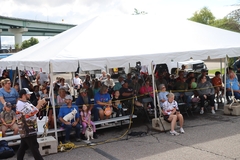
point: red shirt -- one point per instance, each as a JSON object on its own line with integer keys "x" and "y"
{"x": 216, "y": 81}
{"x": 145, "y": 89}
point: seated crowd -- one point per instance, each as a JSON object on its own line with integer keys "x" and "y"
{"x": 111, "y": 96}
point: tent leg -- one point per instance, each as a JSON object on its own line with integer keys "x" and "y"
{"x": 53, "y": 103}
{"x": 19, "y": 79}
{"x": 154, "y": 89}
{"x": 225, "y": 78}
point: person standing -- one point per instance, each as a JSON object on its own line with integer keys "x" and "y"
{"x": 77, "y": 82}
{"x": 27, "y": 121}
{"x": 42, "y": 77}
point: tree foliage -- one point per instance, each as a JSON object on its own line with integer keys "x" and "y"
{"x": 227, "y": 23}
{"x": 203, "y": 16}
{"x": 230, "y": 22}
{"x": 28, "y": 43}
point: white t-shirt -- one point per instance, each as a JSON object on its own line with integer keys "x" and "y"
{"x": 26, "y": 118}
{"x": 27, "y": 108}
{"x": 65, "y": 86}
{"x": 168, "y": 107}
{"x": 77, "y": 81}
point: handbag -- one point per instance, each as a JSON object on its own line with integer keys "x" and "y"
{"x": 5, "y": 150}
{"x": 108, "y": 111}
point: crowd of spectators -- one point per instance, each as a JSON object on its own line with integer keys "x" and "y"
{"x": 101, "y": 96}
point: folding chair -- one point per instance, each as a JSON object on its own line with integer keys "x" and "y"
{"x": 181, "y": 105}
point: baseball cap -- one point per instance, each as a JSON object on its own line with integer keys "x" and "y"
{"x": 161, "y": 86}
{"x": 125, "y": 81}
{"x": 24, "y": 91}
{"x": 22, "y": 73}
{"x": 8, "y": 104}
{"x": 203, "y": 70}
{"x": 68, "y": 97}
{"x": 82, "y": 90}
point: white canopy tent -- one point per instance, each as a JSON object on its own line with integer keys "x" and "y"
{"x": 116, "y": 41}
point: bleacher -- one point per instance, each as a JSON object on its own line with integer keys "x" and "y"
{"x": 112, "y": 122}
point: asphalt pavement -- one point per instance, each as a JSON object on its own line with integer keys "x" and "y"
{"x": 206, "y": 137}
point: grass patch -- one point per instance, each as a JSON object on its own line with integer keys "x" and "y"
{"x": 214, "y": 70}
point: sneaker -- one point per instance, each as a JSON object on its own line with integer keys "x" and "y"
{"x": 174, "y": 133}
{"x": 202, "y": 111}
{"x": 182, "y": 130}
{"x": 213, "y": 112}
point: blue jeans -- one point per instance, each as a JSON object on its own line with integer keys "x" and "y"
{"x": 95, "y": 113}
{"x": 236, "y": 94}
{"x": 68, "y": 129}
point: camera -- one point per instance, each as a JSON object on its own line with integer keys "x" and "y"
{"x": 47, "y": 99}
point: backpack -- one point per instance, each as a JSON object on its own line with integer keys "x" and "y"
{"x": 5, "y": 150}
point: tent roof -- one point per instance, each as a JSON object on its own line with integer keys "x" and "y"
{"x": 116, "y": 41}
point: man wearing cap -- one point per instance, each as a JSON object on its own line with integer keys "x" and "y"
{"x": 126, "y": 95}
{"x": 126, "y": 92}
{"x": 64, "y": 110}
{"x": 83, "y": 98}
{"x": 203, "y": 73}
{"x": 8, "y": 118}
{"x": 135, "y": 85}
{"x": 27, "y": 122}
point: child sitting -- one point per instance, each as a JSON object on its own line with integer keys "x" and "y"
{"x": 117, "y": 105}
{"x": 8, "y": 118}
{"x": 86, "y": 120}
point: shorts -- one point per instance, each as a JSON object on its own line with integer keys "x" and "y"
{"x": 165, "y": 117}
{"x": 13, "y": 127}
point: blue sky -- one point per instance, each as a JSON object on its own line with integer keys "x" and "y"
{"x": 78, "y": 11}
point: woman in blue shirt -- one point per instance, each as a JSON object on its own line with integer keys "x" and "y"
{"x": 8, "y": 94}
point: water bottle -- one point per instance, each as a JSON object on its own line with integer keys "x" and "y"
{"x": 119, "y": 106}
{"x": 216, "y": 106}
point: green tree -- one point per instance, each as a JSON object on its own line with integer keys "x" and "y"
{"x": 230, "y": 22}
{"x": 28, "y": 43}
{"x": 227, "y": 23}
{"x": 203, "y": 16}
{"x": 17, "y": 47}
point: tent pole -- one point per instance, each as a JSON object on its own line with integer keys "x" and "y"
{"x": 154, "y": 87}
{"x": 225, "y": 80}
{"x": 19, "y": 79}
{"x": 73, "y": 84}
{"x": 53, "y": 102}
{"x": 221, "y": 69}
{"x": 14, "y": 77}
